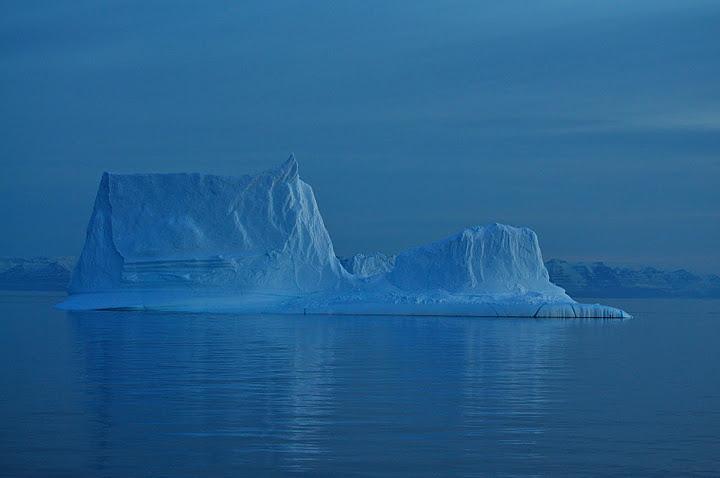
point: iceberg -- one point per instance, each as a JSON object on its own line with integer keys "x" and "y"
{"x": 258, "y": 244}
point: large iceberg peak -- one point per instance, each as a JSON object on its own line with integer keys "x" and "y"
{"x": 288, "y": 170}
{"x": 196, "y": 231}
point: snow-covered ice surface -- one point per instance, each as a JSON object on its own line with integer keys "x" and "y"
{"x": 258, "y": 244}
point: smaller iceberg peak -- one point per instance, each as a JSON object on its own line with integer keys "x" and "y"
{"x": 494, "y": 258}
{"x": 365, "y": 265}
{"x": 494, "y": 228}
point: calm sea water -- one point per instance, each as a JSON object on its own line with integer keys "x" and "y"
{"x": 145, "y": 394}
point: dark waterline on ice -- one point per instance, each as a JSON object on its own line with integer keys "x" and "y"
{"x": 148, "y": 394}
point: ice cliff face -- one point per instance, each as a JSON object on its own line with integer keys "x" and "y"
{"x": 492, "y": 259}
{"x": 194, "y": 231}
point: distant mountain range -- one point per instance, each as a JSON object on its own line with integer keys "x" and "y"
{"x": 39, "y": 273}
{"x": 596, "y": 279}
{"x": 579, "y": 279}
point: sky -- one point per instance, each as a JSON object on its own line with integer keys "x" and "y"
{"x": 595, "y": 123}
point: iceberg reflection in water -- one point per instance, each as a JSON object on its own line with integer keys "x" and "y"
{"x": 296, "y": 391}
{"x": 133, "y": 393}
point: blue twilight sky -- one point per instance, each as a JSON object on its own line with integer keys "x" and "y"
{"x": 597, "y": 123}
